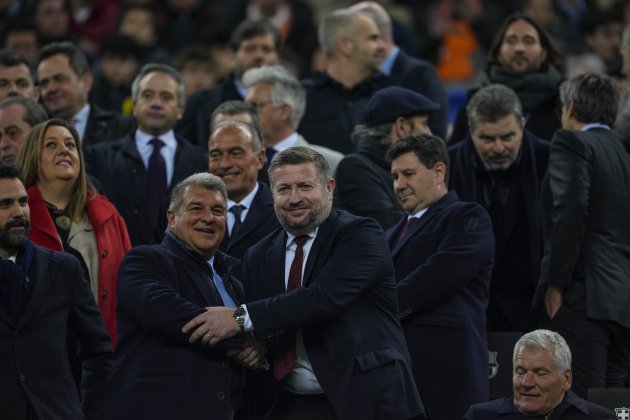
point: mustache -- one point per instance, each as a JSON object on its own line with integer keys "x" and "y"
{"x": 17, "y": 223}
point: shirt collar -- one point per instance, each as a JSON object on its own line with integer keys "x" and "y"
{"x": 388, "y": 63}
{"x": 287, "y": 142}
{"x": 247, "y": 201}
{"x": 595, "y": 125}
{"x": 82, "y": 115}
{"x": 143, "y": 139}
{"x": 418, "y": 214}
{"x": 291, "y": 237}
{"x": 241, "y": 88}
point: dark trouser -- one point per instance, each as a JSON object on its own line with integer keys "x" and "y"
{"x": 600, "y": 349}
{"x": 290, "y": 406}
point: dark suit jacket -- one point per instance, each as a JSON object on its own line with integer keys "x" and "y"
{"x": 120, "y": 170}
{"x": 443, "y": 270}
{"x": 571, "y": 408}
{"x": 364, "y": 184}
{"x": 157, "y": 373}
{"x": 260, "y": 221}
{"x": 103, "y": 126}
{"x": 586, "y": 231}
{"x": 34, "y": 360}
{"x": 347, "y": 311}
{"x": 420, "y": 76}
{"x": 195, "y": 123}
{"x": 518, "y": 230}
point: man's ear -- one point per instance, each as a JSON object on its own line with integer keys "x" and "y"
{"x": 400, "y": 127}
{"x": 440, "y": 172}
{"x": 170, "y": 216}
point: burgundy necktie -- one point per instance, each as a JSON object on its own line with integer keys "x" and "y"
{"x": 406, "y": 230}
{"x": 156, "y": 178}
{"x": 285, "y": 359}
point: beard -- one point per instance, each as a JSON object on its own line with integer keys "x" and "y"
{"x": 14, "y": 240}
{"x": 318, "y": 213}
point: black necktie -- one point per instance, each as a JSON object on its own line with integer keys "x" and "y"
{"x": 236, "y": 210}
{"x": 270, "y": 152}
{"x": 156, "y": 178}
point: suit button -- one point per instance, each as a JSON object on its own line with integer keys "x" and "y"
{"x": 134, "y": 171}
{"x": 104, "y": 253}
{"x": 220, "y": 396}
{"x": 136, "y": 210}
{"x": 22, "y": 378}
{"x": 225, "y": 364}
{"x": 408, "y": 311}
{"x": 103, "y": 294}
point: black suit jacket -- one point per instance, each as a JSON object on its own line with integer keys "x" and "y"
{"x": 194, "y": 125}
{"x": 103, "y": 126}
{"x": 571, "y": 408}
{"x": 260, "y": 221}
{"x": 34, "y": 360}
{"x": 586, "y": 203}
{"x": 157, "y": 373}
{"x": 420, "y": 76}
{"x": 443, "y": 268}
{"x": 119, "y": 168}
{"x": 347, "y": 311}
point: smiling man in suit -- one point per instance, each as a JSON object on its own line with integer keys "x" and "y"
{"x": 321, "y": 292}
{"x": 236, "y": 156}
{"x": 442, "y": 253}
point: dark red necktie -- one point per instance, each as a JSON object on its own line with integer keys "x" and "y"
{"x": 285, "y": 359}
{"x": 407, "y": 229}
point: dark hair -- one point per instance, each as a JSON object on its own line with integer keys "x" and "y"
{"x": 10, "y": 58}
{"x": 252, "y": 28}
{"x": 195, "y": 54}
{"x": 594, "y": 96}
{"x": 428, "y": 148}
{"x": 34, "y": 113}
{"x": 120, "y": 46}
{"x": 597, "y": 18}
{"x": 546, "y": 41}
{"x": 19, "y": 25}
{"x": 76, "y": 57}
{"x": 298, "y": 155}
{"x": 10, "y": 171}
{"x": 236, "y": 107}
{"x": 492, "y": 103}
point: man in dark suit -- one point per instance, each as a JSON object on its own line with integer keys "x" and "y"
{"x": 363, "y": 181}
{"x": 255, "y": 43}
{"x": 157, "y": 372}
{"x": 406, "y": 71}
{"x": 137, "y": 171}
{"x": 43, "y": 298}
{"x": 321, "y": 291}
{"x": 64, "y": 80}
{"x": 442, "y": 255}
{"x": 501, "y": 165}
{"x": 542, "y": 385}
{"x": 586, "y": 201}
{"x": 236, "y": 156}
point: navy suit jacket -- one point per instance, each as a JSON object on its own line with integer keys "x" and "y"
{"x": 260, "y": 221}
{"x": 347, "y": 311}
{"x": 443, "y": 268}
{"x": 157, "y": 373}
{"x": 34, "y": 360}
{"x": 103, "y": 126}
{"x": 571, "y": 408}
{"x": 119, "y": 168}
{"x": 420, "y": 76}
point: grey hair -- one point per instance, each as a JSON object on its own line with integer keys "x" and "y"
{"x": 159, "y": 68}
{"x": 204, "y": 180}
{"x": 298, "y": 155}
{"x": 339, "y": 24}
{"x": 285, "y": 89}
{"x": 492, "y": 103}
{"x": 378, "y": 14}
{"x": 251, "y": 129}
{"x": 34, "y": 113}
{"x": 546, "y": 340}
{"x": 595, "y": 98}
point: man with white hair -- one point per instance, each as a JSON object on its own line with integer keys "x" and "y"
{"x": 280, "y": 102}
{"x": 542, "y": 385}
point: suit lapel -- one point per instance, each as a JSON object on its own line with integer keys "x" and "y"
{"x": 274, "y": 258}
{"x": 322, "y": 239}
{"x": 255, "y": 215}
{"x": 43, "y": 270}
